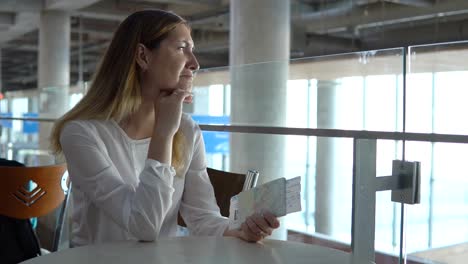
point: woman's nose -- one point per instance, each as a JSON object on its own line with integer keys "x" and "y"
{"x": 193, "y": 63}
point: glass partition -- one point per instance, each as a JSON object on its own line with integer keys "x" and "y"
{"x": 358, "y": 91}
{"x": 361, "y": 90}
{"x": 300, "y": 118}
{"x": 23, "y": 137}
{"x": 436, "y": 103}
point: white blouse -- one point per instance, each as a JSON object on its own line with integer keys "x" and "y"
{"x": 120, "y": 194}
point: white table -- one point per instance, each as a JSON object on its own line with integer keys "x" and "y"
{"x": 203, "y": 250}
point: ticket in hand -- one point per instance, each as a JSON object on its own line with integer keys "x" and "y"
{"x": 279, "y": 196}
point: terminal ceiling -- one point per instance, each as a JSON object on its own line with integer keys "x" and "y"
{"x": 318, "y": 27}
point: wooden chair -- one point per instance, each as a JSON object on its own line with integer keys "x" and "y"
{"x": 50, "y": 189}
{"x": 226, "y": 185}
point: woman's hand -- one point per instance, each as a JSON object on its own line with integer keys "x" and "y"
{"x": 256, "y": 227}
{"x": 167, "y": 115}
{"x": 168, "y": 111}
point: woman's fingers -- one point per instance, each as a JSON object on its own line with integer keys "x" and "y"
{"x": 248, "y": 235}
{"x": 257, "y": 226}
{"x": 253, "y": 227}
{"x": 188, "y": 99}
{"x": 180, "y": 95}
{"x": 262, "y": 223}
{"x": 177, "y": 93}
{"x": 271, "y": 219}
{"x": 168, "y": 111}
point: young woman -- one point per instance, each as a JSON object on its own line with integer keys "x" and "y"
{"x": 134, "y": 158}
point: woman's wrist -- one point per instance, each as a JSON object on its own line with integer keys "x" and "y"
{"x": 232, "y": 233}
{"x": 161, "y": 148}
{"x": 163, "y": 138}
{"x": 163, "y": 133}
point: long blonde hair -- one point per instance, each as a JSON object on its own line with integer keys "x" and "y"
{"x": 115, "y": 91}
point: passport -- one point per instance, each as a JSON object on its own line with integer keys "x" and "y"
{"x": 279, "y": 196}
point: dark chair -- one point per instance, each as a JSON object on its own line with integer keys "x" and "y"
{"x": 50, "y": 189}
{"x": 226, "y": 185}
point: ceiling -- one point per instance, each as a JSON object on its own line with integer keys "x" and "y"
{"x": 318, "y": 27}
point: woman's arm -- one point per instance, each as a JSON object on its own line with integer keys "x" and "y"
{"x": 140, "y": 210}
{"x": 200, "y": 211}
{"x": 198, "y": 206}
{"x": 167, "y": 114}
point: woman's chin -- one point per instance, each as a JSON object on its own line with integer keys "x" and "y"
{"x": 186, "y": 86}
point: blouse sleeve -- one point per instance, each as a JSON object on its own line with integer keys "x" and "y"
{"x": 140, "y": 210}
{"x": 198, "y": 206}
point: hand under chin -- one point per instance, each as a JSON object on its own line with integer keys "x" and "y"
{"x": 188, "y": 99}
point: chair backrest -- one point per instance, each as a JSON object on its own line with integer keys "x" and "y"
{"x": 250, "y": 179}
{"x": 226, "y": 185}
{"x": 27, "y": 192}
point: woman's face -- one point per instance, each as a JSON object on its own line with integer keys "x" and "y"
{"x": 172, "y": 64}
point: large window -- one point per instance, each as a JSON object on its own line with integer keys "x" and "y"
{"x": 362, "y": 91}
{"x": 435, "y": 103}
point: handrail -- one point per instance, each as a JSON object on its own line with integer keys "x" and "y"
{"x": 316, "y": 132}
{"x": 339, "y": 133}
{"x": 35, "y": 119}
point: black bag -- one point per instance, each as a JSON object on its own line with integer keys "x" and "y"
{"x": 18, "y": 241}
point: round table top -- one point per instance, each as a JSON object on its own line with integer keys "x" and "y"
{"x": 196, "y": 250}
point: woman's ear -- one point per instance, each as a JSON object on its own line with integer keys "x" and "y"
{"x": 142, "y": 56}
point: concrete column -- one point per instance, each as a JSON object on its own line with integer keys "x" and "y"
{"x": 54, "y": 49}
{"x": 326, "y": 166}
{"x": 1, "y": 76}
{"x": 53, "y": 69}
{"x": 260, "y": 32}
{"x": 53, "y": 82}
{"x": 3, "y": 147}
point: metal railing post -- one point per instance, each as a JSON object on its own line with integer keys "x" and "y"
{"x": 363, "y": 213}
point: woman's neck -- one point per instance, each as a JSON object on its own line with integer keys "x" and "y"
{"x": 140, "y": 124}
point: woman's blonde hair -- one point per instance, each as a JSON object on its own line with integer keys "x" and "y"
{"x": 115, "y": 90}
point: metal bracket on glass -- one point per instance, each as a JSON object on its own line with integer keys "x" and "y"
{"x": 409, "y": 182}
{"x": 404, "y": 183}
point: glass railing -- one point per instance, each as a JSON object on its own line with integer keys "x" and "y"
{"x": 304, "y": 93}
{"x": 437, "y": 229}
{"x": 302, "y": 118}
{"x": 26, "y": 118}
